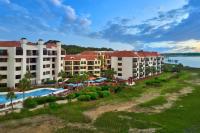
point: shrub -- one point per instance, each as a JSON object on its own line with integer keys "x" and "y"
{"x": 50, "y": 82}
{"x": 105, "y": 88}
{"x": 42, "y": 100}
{"x": 117, "y": 89}
{"x": 53, "y": 105}
{"x": 91, "y": 89}
{"x": 84, "y": 98}
{"x": 93, "y": 95}
{"x": 30, "y": 103}
{"x": 103, "y": 94}
{"x": 71, "y": 96}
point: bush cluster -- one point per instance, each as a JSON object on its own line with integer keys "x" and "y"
{"x": 155, "y": 82}
{"x": 33, "y": 102}
{"x": 50, "y": 82}
{"x": 95, "y": 92}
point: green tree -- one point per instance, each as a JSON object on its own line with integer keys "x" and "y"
{"x": 28, "y": 75}
{"x": 62, "y": 75}
{"x": 11, "y": 95}
{"x": 109, "y": 73}
{"x": 24, "y": 85}
{"x": 84, "y": 77}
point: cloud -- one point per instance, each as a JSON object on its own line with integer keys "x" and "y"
{"x": 178, "y": 25}
{"x": 51, "y": 16}
{"x": 5, "y": 1}
{"x": 172, "y": 46}
{"x": 57, "y": 2}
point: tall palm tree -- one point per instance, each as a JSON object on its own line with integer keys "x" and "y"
{"x": 62, "y": 74}
{"x": 24, "y": 85}
{"x": 28, "y": 75}
{"x": 109, "y": 73}
{"x": 11, "y": 95}
{"x": 84, "y": 77}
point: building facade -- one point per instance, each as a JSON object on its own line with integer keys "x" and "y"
{"x": 136, "y": 64}
{"x": 83, "y": 63}
{"x": 43, "y": 60}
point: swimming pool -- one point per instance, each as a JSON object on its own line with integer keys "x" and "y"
{"x": 33, "y": 93}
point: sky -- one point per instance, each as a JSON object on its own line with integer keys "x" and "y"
{"x": 152, "y": 25}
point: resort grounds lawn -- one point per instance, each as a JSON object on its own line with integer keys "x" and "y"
{"x": 183, "y": 116}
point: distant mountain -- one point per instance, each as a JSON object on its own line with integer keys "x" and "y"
{"x": 74, "y": 49}
{"x": 181, "y": 54}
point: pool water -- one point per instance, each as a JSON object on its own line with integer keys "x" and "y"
{"x": 34, "y": 93}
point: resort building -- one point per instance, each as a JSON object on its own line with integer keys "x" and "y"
{"x": 136, "y": 64}
{"x": 43, "y": 60}
{"x": 83, "y": 63}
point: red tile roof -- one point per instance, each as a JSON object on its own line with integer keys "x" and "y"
{"x": 10, "y": 44}
{"x": 124, "y": 54}
{"x": 80, "y": 56}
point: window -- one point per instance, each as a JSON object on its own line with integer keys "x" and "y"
{"x": 119, "y": 69}
{"x": 53, "y": 72}
{"x": 3, "y": 59}
{"x": 53, "y": 59}
{"x": 17, "y": 76}
{"x": 44, "y": 51}
{"x": 19, "y": 51}
{"x": 4, "y": 76}
{"x": 119, "y": 74}
{"x": 119, "y": 64}
{"x": 68, "y": 62}
{"x": 3, "y": 52}
{"x": 83, "y": 62}
{"x": 53, "y": 65}
{"x": 3, "y": 68}
{"x": 46, "y": 59}
{"x": 18, "y": 60}
{"x": 18, "y": 68}
{"x": 119, "y": 59}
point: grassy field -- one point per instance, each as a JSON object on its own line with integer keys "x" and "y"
{"x": 183, "y": 116}
{"x": 156, "y": 101}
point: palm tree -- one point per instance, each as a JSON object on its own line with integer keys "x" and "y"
{"x": 62, "y": 74}
{"x": 28, "y": 75}
{"x": 11, "y": 95}
{"x": 84, "y": 77}
{"x": 24, "y": 85}
{"x": 109, "y": 73}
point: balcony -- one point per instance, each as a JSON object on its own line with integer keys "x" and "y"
{"x": 3, "y": 53}
{"x": 77, "y": 63}
{"x": 90, "y": 63}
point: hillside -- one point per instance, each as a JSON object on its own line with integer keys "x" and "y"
{"x": 74, "y": 49}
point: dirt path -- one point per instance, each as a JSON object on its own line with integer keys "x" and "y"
{"x": 131, "y": 106}
{"x": 171, "y": 99}
{"x": 37, "y": 124}
{"x": 94, "y": 113}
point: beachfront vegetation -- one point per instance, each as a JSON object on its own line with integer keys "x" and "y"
{"x": 24, "y": 84}
{"x": 109, "y": 73}
{"x": 183, "y": 116}
{"x": 10, "y": 96}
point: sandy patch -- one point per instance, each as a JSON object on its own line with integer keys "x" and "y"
{"x": 171, "y": 99}
{"x": 37, "y": 124}
{"x": 94, "y": 113}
